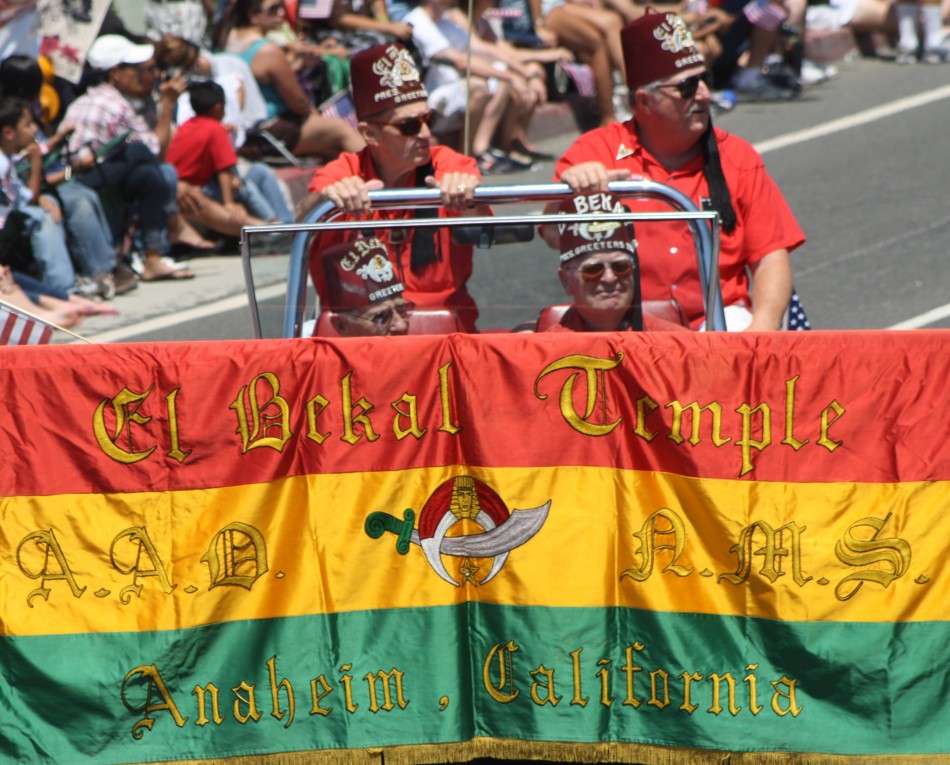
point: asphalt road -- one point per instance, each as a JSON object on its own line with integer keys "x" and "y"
{"x": 861, "y": 159}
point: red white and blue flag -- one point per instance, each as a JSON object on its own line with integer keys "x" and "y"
{"x": 18, "y": 328}
{"x": 340, "y": 105}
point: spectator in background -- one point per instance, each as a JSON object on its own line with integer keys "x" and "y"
{"x": 59, "y": 308}
{"x": 21, "y": 203}
{"x": 202, "y": 153}
{"x": 363, "y": 290}
{"x": 361, "y": 24}
{"x": 262, "y": 193}
{"x": 910, "y": 48}
{"x": 592, "y": 34}
{"x": 487, "y": 92}
{"x": 187, "y": 19}
{"x": 671, "y": 139}
{"x": 104, "y": 113}
{"x": 292, "y": 117}
{"x": 391, "y": 105}
{"x": 524, "y": 69}
{"x": 244, "y": 104}
{"x": 88, "y": 233}
{"x": 746, "y": 45}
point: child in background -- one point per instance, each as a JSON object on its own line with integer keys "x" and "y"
{"x": 41, "y": 217}
{"x": 203, "y": 155}
{"x": 88, "y": 233}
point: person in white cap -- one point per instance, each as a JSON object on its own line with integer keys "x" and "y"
{"x": 126, "y": 70}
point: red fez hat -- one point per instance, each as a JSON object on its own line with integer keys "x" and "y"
{"x": 383, "y": 77}
{"x": 655, "y": 46}
{"x": 586, "y": 238}
{"x": 358, "y": 274}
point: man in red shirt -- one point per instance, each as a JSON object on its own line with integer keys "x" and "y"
{"x": 671, "y": 140}
{"x": 599, "y": 270}
{"x": 394, "y": 116}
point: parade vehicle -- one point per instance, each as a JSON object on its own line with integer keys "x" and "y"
{"x": 506, "y": 230}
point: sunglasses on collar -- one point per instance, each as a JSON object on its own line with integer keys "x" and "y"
{"x": 687, "y": 88}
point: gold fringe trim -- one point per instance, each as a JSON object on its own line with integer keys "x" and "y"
{"x": 558, "y": 751}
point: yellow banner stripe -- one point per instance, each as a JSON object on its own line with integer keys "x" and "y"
{"x": 156, "y": 561}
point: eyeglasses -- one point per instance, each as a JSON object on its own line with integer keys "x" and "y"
{"x": 382, "y": 319}
{"x": 591, "y": 272}
{"x": 274, "y": 10}
{"x": 411, "y": 126}
{"x": 687, "y": 88}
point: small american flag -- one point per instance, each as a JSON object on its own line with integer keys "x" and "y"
{"x": 19, "y": 328}
{"x": 503, "y": 13}
{"x": 766, "y": 14}
{"x": 582, "y": 76}
{"x": 340, "y": 104}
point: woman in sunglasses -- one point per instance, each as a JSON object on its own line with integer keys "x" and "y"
{"x": 599, "y": 270}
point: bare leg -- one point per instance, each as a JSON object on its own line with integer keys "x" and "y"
{"x": 576, "y": 34}
{"x": 55, "y": 311}
{"x": 491, "y": 118}
{"x": 225, "y": 221}
{"x": 180, "y": 231}
{"x": 608, "y": 23}
{"x": 327, "y": 137}
{"x": 478, "y": 99}
{"x": 511, "y": 132}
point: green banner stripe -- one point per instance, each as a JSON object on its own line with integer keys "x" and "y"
{"x": 577, "y": 675}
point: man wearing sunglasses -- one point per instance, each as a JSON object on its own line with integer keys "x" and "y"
{"x": 671, "y": 140}
{"x": 393, "y": 113}
{"x": 599, "y": 270}
{"x": 363, "y": 291}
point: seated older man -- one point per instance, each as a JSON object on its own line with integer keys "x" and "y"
{"x": 600, "y": 271}
{"x": 363, "y": 290}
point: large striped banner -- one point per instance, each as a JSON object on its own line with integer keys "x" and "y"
{"x": 658, "y": 548}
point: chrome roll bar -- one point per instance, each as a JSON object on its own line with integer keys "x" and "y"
{"x": 704, "y": 226}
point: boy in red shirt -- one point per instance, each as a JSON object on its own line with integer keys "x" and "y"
{"x": 204, "y": 157}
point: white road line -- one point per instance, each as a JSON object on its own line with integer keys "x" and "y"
{"x": 854, "y": 120}
{"x": 180, "y": 317}
{"x": 929, "y": 317}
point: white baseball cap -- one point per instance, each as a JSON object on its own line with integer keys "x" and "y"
{"x": 112, "y": 50}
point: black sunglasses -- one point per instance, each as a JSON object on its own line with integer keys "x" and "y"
{"x": 687, "y": 88}
{"x": 274, "y": 10}
{"x": 411, "y": 126}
